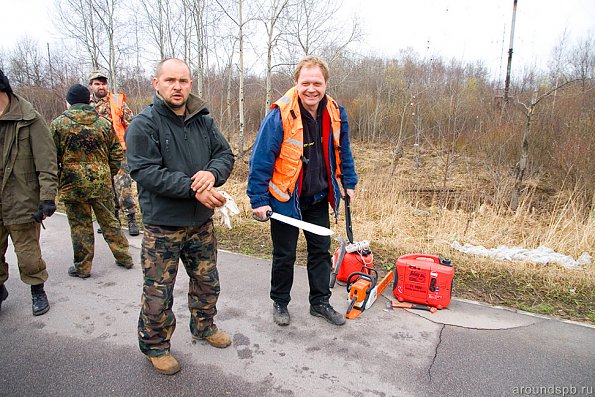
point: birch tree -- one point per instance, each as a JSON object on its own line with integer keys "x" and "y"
{"x": 272, "y": 17}
{"x": 100, "y": 33}
{"x": 239, "y": 22}
{"x": 79, "y": 19}
{"x": 160, "y": 19}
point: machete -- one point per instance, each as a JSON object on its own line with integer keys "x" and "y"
{"x": 308, "y": 227}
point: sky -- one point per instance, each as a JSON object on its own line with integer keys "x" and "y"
{"x": 467, "y": 30}
{"x": 472, "y": 30}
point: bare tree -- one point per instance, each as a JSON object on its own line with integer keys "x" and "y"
{"x": 521, "y": 166}
{"x": 70, "y": 14}
{"x": 271, "y": 17}
{"x": 26, "y": 63}
{"x": 197, "y": 8}
{"x": 312, "y": 31}
{"x": 582, "y": 61}
{"x": 159, "y": 21}
{"x": 239, "y": 22}
{"x": 105, "y": 11}
{"x": 101, "y": 33}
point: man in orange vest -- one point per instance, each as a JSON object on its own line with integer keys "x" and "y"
{"x": 300, "y": 158}
{"x": 114, "y": 108}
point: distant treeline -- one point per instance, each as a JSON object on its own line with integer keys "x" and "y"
{"x": 405, "y": 102}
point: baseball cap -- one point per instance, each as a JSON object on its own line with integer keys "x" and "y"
{"x": 97, "y": 74}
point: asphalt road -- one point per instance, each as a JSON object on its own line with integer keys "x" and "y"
{"x": 86, "y": 344}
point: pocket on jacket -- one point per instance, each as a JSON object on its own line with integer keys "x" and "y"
{"x": 24, "y": 144}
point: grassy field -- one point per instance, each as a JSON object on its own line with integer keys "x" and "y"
{"x": 434, "y": 199}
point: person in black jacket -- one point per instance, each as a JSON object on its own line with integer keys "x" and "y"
{"x": 177, "y": 156}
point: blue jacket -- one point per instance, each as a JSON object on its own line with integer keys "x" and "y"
{"x": 262, "y": 161}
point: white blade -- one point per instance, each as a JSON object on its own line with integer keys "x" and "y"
{"x": 309, "y": 227}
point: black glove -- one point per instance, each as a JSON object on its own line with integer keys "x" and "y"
{"x": 47, "y": 207}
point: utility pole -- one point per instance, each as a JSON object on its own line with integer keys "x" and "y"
{"x": 507, "y": 83}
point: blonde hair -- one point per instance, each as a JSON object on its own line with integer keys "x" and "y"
{"x": 308, "y": 61}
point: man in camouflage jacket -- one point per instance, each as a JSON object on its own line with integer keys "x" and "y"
{"x": 124, "y": 196}
{"x": 28, "y": 173}
{"x": 89, "y": 155}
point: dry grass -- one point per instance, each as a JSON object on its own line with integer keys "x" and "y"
{"x": 421, "y": 210}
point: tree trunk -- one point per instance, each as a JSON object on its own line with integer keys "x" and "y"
{"x": 241, "y": 93}
{"x": 522, "y": 164}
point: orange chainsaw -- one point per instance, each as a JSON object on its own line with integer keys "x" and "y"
{"x": 363, "y": 289}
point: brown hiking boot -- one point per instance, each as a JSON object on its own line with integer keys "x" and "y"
{"x": 165, "y": 364}
{"x": 219, "y": 339}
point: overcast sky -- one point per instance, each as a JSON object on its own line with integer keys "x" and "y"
{"x": 463, "y": 29}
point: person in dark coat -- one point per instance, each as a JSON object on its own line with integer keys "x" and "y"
{"x": 29, "y": 176}
{"x": 177, "y": 157}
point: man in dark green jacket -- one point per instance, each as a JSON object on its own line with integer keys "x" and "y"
{"x": 29, "y": 176}
{"x": 177, "y": 156}
{"x": 89, "y": 155}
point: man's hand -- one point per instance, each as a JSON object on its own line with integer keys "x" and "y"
{"x": 210, "y": 198}
{"x": 350, "y": 193}
{"x": 47, "y": 208}
{"x": 261, "y": 212}
{"x": 202, "y": 180}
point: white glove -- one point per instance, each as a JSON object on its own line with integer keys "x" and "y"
{"x": 227, "y": 210}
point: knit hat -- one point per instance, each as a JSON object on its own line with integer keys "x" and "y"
{"x": 78, "y": 93}
{"x": 4, "y": 83}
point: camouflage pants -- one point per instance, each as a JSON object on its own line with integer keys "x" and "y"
{"x": 162, "y": 249}
{"x": 124, "y": 197}
{"x": 83, "y": 237}
{"x": 25, "y": 238}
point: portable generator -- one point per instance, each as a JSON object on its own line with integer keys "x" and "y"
{"x": 426, "y": 279}
{"x": 356, "y": 257}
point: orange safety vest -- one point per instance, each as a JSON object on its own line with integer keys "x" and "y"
{"x": 288, "y": 164}
{"x": 115, "y": 104}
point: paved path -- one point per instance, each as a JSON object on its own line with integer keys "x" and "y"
{"x": 86, "y": 344}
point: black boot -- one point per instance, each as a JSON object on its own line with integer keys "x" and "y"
{"x": 3, "y": 294}
{"x": 132, "y": 226}
{"x": 40, "y": 300}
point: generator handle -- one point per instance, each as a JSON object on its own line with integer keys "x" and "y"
{"x": 425, "y": 257}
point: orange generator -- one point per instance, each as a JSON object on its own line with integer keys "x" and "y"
{"x": 425, "y": 279}
{"x": 356, "y": 258}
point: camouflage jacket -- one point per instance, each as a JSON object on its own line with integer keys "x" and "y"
{"x": 104, "y": 110}
{"x": 89, "y": 154}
